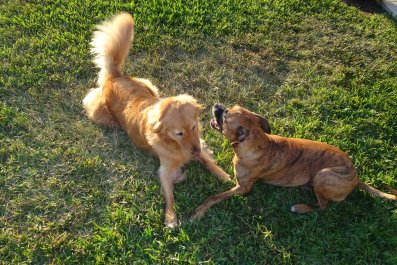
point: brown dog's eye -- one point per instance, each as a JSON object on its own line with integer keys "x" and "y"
{"x": 179, "y": 133}
{"x": 225, "y": 116}
{"x": 194, "y": 127}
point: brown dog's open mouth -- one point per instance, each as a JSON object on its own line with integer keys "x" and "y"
{"x": 217, "y": 121}
{"x": 214, "y": 124}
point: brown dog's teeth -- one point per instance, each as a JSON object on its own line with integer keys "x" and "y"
{"x": 214, "y": 124}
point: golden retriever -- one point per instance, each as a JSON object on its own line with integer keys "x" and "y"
{"x": 167, "y": 127}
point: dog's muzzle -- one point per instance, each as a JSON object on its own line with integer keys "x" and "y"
{"x": 196, "y": 151}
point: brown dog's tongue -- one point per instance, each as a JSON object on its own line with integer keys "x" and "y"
{"x": 214, "y": 124}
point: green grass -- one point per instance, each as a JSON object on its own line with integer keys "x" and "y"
{"x": 73, "y": 192}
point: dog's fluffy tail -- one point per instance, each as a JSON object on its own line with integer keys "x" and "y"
{"x": 110, "y": 45}
{"x": 378, "y": 193}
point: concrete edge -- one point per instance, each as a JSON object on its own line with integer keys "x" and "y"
{"x": 389, "y": 6}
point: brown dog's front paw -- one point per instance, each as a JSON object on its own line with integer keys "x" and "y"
{"x": 198, "y": 213}
{"x": 224, "y": 176}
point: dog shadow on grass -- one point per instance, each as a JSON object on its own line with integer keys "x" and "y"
{"x": 357, "y": 229}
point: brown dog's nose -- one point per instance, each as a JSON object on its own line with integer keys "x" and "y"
{"x": 196, "y": 151}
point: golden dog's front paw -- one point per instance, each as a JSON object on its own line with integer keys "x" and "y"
{"x": 171, "y": 221}
{"x": 172, "y": 224}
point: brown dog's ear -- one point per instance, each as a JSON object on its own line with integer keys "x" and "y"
{"x": 264, "y": 124}
{"x": 241, "y": 133}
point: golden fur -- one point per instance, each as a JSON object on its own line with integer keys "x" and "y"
{"x": 167, "y": 127}
{"x": 281, "y": 161}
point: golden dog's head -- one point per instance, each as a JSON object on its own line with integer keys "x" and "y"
{"x": 175, "y": 121}
{"x": 237, "y": 123}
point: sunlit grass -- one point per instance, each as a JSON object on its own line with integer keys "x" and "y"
{"x": 74, "y": 192}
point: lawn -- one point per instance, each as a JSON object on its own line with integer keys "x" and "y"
{"x": 72, "y": 192}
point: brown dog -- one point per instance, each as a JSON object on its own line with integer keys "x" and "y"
{"x": 167, "y": 127}
{"x": 283, "y": 161}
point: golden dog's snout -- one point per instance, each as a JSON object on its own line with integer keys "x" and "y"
{"x": 196, "y": 150}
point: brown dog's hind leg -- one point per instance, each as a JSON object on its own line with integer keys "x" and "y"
{"x": 334, "y": 184}
{"x": 330, "y": 184}
{"x": 238, "y": 189}
{"x": 302, "y": 208}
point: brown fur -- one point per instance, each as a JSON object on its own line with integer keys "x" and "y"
{"x": 286, "y": 162}
{"x": 167, "y": 127}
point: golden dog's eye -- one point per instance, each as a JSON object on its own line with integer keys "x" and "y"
{"x": 179, "y": 133}
{"x": 194, "y": 127}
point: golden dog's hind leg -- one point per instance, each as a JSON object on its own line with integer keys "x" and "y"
{"x": 96, "y": 109}
{"x": 205, "y": 158}
{"x": 238, "y": 189}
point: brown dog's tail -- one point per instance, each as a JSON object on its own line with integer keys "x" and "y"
{"x": 110, "y": 45}
{"x": 378, "y": 193}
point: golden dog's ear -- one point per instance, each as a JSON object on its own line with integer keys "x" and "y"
{"x": 183, "y": 99}
{"x": 241, "y": 133}
{"x": 264, "y": 124}
{"x": 156, "y": 117}
{"x": 156, "y": 127}
{"x": 199, "y": 107}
